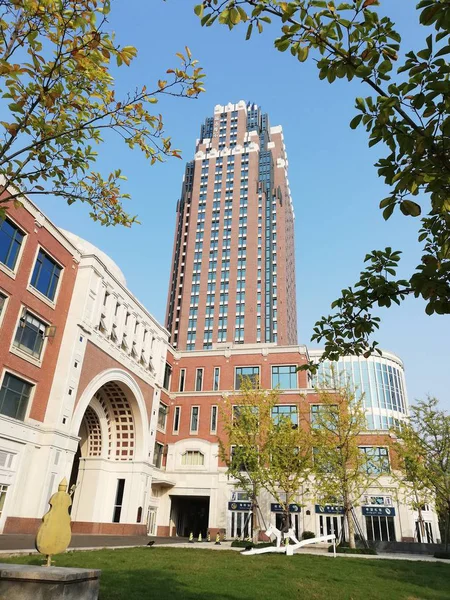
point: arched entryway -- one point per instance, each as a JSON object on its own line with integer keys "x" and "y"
{"x": 110, "y": 469}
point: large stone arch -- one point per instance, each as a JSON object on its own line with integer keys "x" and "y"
{"x": 120, "y": 389}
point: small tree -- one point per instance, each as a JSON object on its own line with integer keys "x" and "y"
{"x": 59, "y": 98}
{"x": 264, "y": 451}
{"x": 423, "y": 444}
{"x": 343, "y": 470}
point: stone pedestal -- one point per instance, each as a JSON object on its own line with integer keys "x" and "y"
{"x": 29, "y": 582}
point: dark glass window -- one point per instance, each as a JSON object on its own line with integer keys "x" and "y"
{"x": 176, "y": 419}
{"x": 182, "y": 380}
{"x": 162, "y": 416}
{"x": 194, "y": 418}
{"x": 14, "y": 397}
{"x": 10, "y": 241}
{"x": 213, "y": 419}
{"x": 46, "y": 275}
{"x": 251, "y": 373}
{"x": 199, "y": 380}
{"x": 2, "y": 303}
{"x": 158, "y": 455}
{"x": 30, "y": 335}
{"x": 284, "y": 377}
{"x": 216, "y": 378}
{"x": 167, "y": 376}
{"x": 119, "y": 500}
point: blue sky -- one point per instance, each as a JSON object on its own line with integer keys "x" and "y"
{"x": 334, "y": 185}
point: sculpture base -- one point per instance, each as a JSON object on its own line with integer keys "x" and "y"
{"x": 29, "y": 582}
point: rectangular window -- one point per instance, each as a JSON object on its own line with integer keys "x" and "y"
{"x": 14, "y": 397}
{"x": 216, "y": 381}
{"x": 11, "y": 239}
{"x": 195, "y": 412}
{"x": 377, "y": 460}
{"x": 325, "y": 415}
{"x": 193, "y": 458}
{"x": 176, "y": 419}
{"x": 158, "y": 455}
{"x": 119, "y": 500}
{"x": 284, "y": 377}
{"x": 162, "y": 416}
{"x": 281, "y": 411}
{"x": 182, "y": 380}
{"x": 30, "y": 335}
{"x": 213, "y": 419}
{"x": 243, "y": 373}
{"x": 3, "y": 490}
{"x": 46, "y": 274}
{"x": 167, "y": 376}
{"x": 199, "y": 380}
{"x": 2, "y": 303}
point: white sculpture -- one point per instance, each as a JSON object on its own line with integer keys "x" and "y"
{"x": 287, "y": 548}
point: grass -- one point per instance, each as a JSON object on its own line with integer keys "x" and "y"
{"x": 194, "y": 574}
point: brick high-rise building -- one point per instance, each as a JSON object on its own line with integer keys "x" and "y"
{"x": 233, "y": 271}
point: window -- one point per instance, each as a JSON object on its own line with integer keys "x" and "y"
{"x": 324, "y": 414}
{"x": 193, "y": 458}
{"x": 30, "y": 335}
{"x": 3, "y": 490}
{"x": 241, "y": 373}
{"x": 158, "y": 455}
{"x": 182, "y": 380}
{"x": 167, "y": 376}
{"x": 119, "y": 500}
{"x": 176, "y": 419}
{"x": 46, "y": 275}
{"x": 11, "y": 239}
{"x": 380, "y": 528}
{"x": 3, "y": 299}
{"x": 14, "y": 397}
{"x": 199, "y": 380}
{"x": 195, "y": 412}
{"x": 377, "y": 460}
{"x": 162, "y": 416}
{"x": 213, "y": 419}
{"x": 285, "y": 377}
{"x": 216, "y": 380}
{"x": 283, "y": 411}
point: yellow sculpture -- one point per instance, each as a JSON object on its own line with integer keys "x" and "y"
{"x": 54, "y": 533}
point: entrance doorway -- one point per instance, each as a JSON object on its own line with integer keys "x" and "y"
{"x": 293, "y": 523}
{"x": 329, "y": 524}
{"x": 190, "y": 515}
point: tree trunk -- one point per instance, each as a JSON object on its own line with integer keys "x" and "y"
{"x": 255, "y": 520}
{"x": 447, "y": 526}
{"x": 350, "y": 524}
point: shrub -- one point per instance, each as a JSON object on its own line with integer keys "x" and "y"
{"x": 346, "y": 550}
{"x": 308, "y": 535}
{"x": 445, "y": 555}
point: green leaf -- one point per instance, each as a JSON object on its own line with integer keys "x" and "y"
{"x": 199, "y": 10}
{"x": 356, "y": 121}
{"x": 410, "y": 208}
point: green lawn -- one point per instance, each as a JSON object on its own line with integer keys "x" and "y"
{"x": 191, "y": 574}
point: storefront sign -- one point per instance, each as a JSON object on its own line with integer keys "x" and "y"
{"x": 378, "y": 511}
{"x": 293, "y": 508}
{"x": 329, "y": 509}
{"x": 239, "y": 506}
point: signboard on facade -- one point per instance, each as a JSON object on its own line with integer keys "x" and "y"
{"x": 378, "y": 511}
{"x": 239, "y": 506}
{"x": 293, "y": 508}
{"x": 329, "y": 509}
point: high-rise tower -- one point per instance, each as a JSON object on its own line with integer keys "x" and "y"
{"x": 233, "y": 267}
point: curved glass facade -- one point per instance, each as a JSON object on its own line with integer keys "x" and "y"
{"x": 380, "y": 379}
